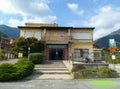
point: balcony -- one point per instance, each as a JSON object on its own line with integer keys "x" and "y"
{"x": 56, "y": 38}
{"x": 82, "y": 40}
{"x": 65, "y": 39}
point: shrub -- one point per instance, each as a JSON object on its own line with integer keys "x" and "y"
{"x": 24, "y": 67}
{"x": 7, "y": 71}
{"x": 19, "y": 70}
{"x": 2, "y": 57}
{"x": 77, "y": 68}
{"x": 36, "y": 58}
{"x": 108, "y": 73}
{"x": 95, "y": 73}
{"x": 117, "y": 60}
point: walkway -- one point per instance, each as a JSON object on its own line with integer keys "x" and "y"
{"x": 117, "y": 67}
{"x": 9, "y": 61}
{"x": 50, "y": 70}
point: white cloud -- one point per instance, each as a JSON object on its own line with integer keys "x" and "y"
{"x": 32, "y": 10}
{"x": 75, "y": 8}
{"x": 16, "y": 22}
{"x": 105, "y": 21}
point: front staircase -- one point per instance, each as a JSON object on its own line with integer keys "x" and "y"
{"x": 51, "y": 70}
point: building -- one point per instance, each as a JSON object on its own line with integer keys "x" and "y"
{"x": 61, "y": 42}
{"x": 6, "y": 42}
{"x": 97, "y": 53}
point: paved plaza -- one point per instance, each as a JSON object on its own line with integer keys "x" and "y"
{"x": 58, "y": 84}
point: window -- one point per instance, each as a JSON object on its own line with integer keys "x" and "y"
{"x": 81, "y": 52}
{"x": 96, "y": 54}
{"x": 51, "y": 34}
{"x": 27, "y": 34}
{"x": 82, "y": 35}
{"x": 61, "y": 34}
{"x": 37, "y": 35}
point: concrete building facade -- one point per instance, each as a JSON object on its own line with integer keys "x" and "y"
{"x": 61, "y": 42}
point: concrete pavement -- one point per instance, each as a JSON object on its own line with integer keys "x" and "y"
{"x": 58, "y": 84}
{"x": 117, "y": 67}
{"x": 9, "y": 61}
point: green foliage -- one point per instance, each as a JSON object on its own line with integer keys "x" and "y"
{"x": 22, "y": 44}
{"x": 38, "y": 46}
{"x": 24, "y": 67}
{"x": 7, "y": 71}
{"x": 19, "y": 70}
{"x": 117, "y": 60}
{"x": 36, "y": 58}
{"x": 77, "y": 67}
{"x": 95, "y": 73}
{"x": 2, "y": 57}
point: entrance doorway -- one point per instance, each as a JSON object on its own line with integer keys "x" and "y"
{"x": 56, "y": 54}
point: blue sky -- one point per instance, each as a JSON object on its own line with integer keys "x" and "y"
{"x": 104, "y": 15}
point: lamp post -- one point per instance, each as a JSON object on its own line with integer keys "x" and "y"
{"x": 28, "y": 52}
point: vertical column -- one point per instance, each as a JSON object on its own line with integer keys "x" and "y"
{"x": 69, "y": 32}
{"x": 44, "y": 33}
{"x": 66, "y": 54}
{"x": 47, "y": 54}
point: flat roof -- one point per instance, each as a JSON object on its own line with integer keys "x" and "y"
{"x": 92, "y": 28}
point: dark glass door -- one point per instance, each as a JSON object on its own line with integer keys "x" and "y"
{"x": 56, "y": 54}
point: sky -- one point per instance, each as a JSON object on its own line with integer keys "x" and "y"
{"x": 104, "y": 15}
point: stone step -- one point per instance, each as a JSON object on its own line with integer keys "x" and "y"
{"x": 50, "y": 68}
{"x": 51, "y": 72}
{"x": 48, "y": 76}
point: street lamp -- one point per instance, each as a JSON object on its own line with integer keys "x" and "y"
{"x": 28, "y": 52}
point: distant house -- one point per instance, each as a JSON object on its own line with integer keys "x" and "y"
{"x": 97, "y": 53}
{"x": 61, "y": 42}
{"x": 6, "y": 42}
{"x": 5, "y": 45}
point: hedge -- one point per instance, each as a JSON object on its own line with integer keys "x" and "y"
{"x": 117, "y": 60}
{"x": 19, "y": 70}
{"x": 95, "y": 73}
{"x": 36, "y": 58}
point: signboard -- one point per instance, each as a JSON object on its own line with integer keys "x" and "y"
{"x": 112, "y": 45}
{"x": 113, "y": 57}
{"x": 112, "y": 48}
{"x": 112, "y": 42}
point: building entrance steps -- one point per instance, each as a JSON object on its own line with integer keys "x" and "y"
{"x": 51, "y": 70}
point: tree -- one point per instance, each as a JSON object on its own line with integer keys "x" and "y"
{"x": 22, "y": 44}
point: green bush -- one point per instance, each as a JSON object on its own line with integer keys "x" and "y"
{"x": 117, "y": 60}
{"x": 19, "y": 70}
{"x": 95, "y": 73}
{"x": 77, "y": 68}
{"x": 2, "y": 57}
{"x": 108, "y": 73}
{"x": 24, "y": 67}
{"x": 7, "y": 71}
{"x": 36, "y": 58}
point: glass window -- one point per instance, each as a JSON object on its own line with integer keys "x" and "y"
{"x": 51, "y": 34}
{"x": 81, "y": 52}
{"x": 27, "y": 34}
{"x": 61, "y": 34}
{"x": 37, "y": 35}
{"x": 82, "y": 35}
{"x": 96, "y": 54}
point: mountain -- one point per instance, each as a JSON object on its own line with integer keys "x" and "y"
{"x": 104, "y": 41}
{"x": 10, "y": 32}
